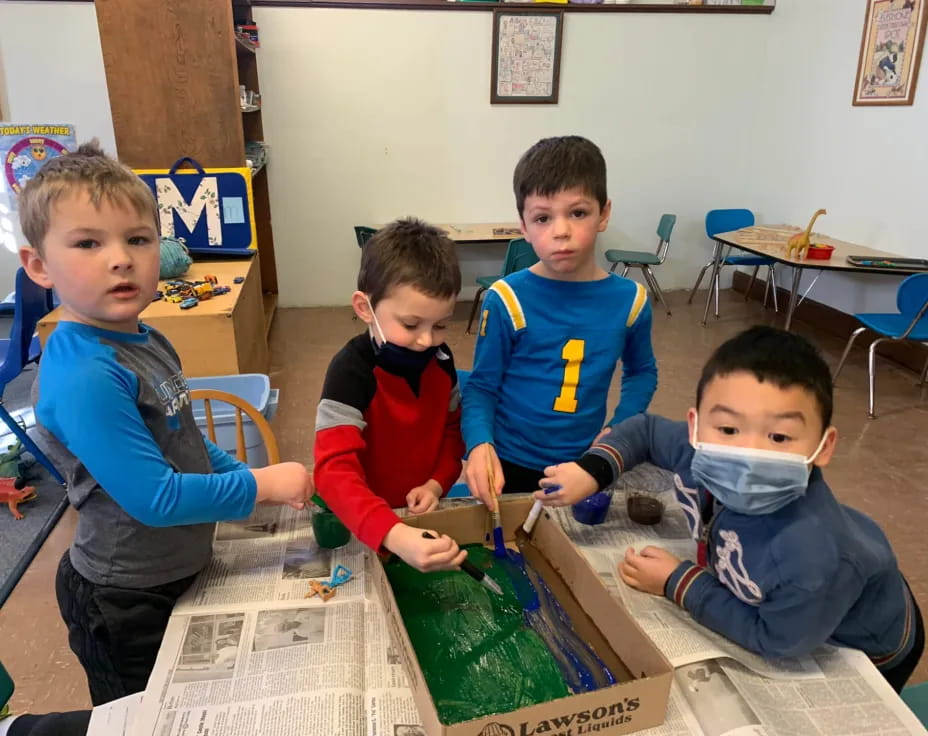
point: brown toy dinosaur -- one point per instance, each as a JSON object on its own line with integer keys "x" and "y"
{"x": 800, "y": 241}
{"x": 14, "y": 497}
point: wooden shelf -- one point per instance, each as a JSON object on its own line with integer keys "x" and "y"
{"x": 270, "y": 309}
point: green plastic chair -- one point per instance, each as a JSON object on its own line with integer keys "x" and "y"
{"x": 916, "y": 697}
{"x": 519, "y": 255}
{"x": 644, "y": 260}
{"x": 362, "y": 234}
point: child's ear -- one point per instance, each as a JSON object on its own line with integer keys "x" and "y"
{"x": 604, "y": 215}
{"x": 35, "y": 267}
{"x": 828, "y": 448}
{"x": 691, "y": 422}
{"x": 362, "y": 307}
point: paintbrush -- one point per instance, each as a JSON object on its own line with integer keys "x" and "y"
{"x": 524, "y": 532}
{"x": 499, "y": 546}
{"x": 477, "y": 574}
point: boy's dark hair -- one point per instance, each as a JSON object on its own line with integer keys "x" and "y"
{"x": 409, "y": 252}
{"x": 88, "y": 169}
{"x": 783, "y": 358}
{"x": 555, "y": 164}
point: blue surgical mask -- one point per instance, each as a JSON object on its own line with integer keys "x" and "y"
{"x": 751, "y": 481}
{"x": 395, "y": 358}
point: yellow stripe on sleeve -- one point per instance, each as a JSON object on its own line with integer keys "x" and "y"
{"x": 511, "y": 302}
{"x": 641, "y": 298}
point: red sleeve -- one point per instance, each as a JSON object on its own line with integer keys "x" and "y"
{"x": 338, "y": 473}
{"x": 341, "y": 482}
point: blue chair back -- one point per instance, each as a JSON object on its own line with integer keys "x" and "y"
{"x": 665, "y": 227}
{"x": 912, "y": 295}
{"x": 362, "y": 234}
{"x": 32, "y": 303}
{"x": 723, "y": 221}
{"x": 519, "y": 255}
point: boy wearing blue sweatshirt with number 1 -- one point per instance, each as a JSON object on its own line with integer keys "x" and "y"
{"x": 551, "y": 335}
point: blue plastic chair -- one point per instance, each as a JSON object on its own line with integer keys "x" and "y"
{"x": 644, "y": 260}
{"x": 21, "y": 348}
{"x": 909, "y": 324}
{"x": 519, "y": 255}
{"x": 363, "y": 233}
{"x": 723, "y": 221}
{"x": 916, "y": 697}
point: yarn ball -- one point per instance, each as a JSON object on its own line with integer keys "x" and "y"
{"x": 175, "y": 258}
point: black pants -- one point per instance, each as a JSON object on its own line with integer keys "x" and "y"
{"x": 73, "y": 723}
{"x": 115, "y": 632}
{"x": 897, "y": 676}
{"x": 520, "y": 479}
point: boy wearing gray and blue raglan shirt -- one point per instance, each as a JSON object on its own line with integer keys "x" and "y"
{"x": 164, "y": 482}
{"x": 113, "y": 412}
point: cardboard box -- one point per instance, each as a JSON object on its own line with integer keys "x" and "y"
{"x": 632, "y": 705}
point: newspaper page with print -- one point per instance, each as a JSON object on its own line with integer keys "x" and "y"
{"x": 275, "y": 663}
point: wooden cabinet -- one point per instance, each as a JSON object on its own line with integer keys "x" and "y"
{"x": 220, "y": 336}
{"x": 173, "y": 70}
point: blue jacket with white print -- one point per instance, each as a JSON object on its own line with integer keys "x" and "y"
{"x": 778, "y": 584}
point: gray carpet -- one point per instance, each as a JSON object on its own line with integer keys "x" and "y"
{"x": 21, "y": 540}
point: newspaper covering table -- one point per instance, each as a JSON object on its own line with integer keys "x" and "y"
{"x": 246, "y": 653}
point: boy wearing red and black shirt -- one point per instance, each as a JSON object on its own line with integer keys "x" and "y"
{"x": 388, "y": 428}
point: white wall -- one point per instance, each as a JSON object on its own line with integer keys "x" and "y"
{"x": 868, "y": 166}
{"x": 377, "y": 114}
{"x": 53, "y": 73}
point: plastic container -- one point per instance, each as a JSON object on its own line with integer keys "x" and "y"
{"x": 592, "y": 510}
{"x": 256, "y": 389}
{"x": 328, "y": 529}
{"x": 820, "y": 251}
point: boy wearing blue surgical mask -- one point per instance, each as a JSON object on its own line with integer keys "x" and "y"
{"x": 388, "y": 426}
{"x": 781, "y": 566}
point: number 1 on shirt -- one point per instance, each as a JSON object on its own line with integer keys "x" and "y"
{"x": 573, "y": 353}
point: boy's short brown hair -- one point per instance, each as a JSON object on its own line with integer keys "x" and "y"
{"x": 90, "y": 169}
{"x": 413, "y": 253}
{"x": 555, "y": 164}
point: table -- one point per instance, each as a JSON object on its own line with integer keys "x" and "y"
{"x": 770, "y": 241}
{"x": 221, "y": 336}
{"x": 479, "y": 232}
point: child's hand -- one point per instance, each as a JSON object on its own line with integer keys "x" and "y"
{"x": 424, "y": 498}
{"x": 427, "y": 555}
{"x": 284, "y": 483}
{"x": 576, "y": 484}
{"x": 649, "y": 570}
{"x": 478, "y": 477}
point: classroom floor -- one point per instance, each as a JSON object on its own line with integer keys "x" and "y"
{"x": 878, "y": 467}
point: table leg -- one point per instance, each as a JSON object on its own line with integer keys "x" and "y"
{"x": 713, "y": 281}
{"x": 797, "y": 276}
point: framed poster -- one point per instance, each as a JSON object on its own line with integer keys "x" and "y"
{"x": 526, "y": 56}
{"x": 890, "y": 52}
{"x": 27, "y": 148}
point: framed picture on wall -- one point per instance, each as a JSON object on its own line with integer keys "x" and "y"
{"x": 526, "y": 56}
{"x": 890, "y": 52}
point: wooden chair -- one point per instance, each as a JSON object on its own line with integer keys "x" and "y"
{"x": 207, "y": 395}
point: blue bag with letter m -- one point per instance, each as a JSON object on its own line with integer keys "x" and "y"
{"x": 211, "y": 209}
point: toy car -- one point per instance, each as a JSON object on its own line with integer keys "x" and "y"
{"x": 203, "y": 290}
{"x": 174, "y": 298}
{"x": 219, "y": 290}
{"x": 189, "y": 303}
{"x": 238, "y": 279}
